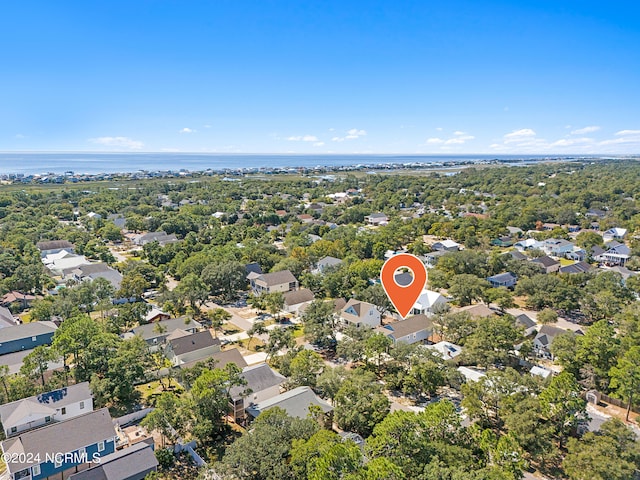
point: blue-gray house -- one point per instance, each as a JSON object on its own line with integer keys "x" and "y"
{"x": 60, "y": 448}
{"x": 506, "y": 279}
{"x": 26, "y": 336}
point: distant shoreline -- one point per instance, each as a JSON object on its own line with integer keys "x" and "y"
{"x": 62, "y": 167}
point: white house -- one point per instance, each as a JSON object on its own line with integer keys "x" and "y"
{"x": 46, "y": 408}
{"x": 446, "y": 245}
{"x": 615, "y": 233}
{"x": 446, "y": 350}
{"x": 360, "y": 314}
{"x": 295, "y": 302}
{"x": 428, "y": 302}
{"x": 282, "y": 281}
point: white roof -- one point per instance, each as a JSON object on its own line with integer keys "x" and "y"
{"x": 428, "y": 298}
{"x": 66, "y": 263}
{"x": 540, "y": 371}
{"x": 448, "y": 243}
{"x": 52, "y": 257}
{"x": 617, "y": 231}
{"x": 446, "y": 350}
{"x": 470, "y": 374}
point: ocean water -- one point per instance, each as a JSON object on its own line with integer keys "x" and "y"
{"x": 93, "y": 163}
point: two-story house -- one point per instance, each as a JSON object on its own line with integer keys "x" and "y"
{"x": 360, "y": 314}
{"x": 428, "y": 303}
{"x": 415, "y": 329}
{"x": 262, "y": 383}
{"x": 155, "y": 334}
{"x": 60, "y": 448}
{"x": 507, "y": 279}
{"x": 54, "y": 246}
{"x": 282, "y": 281}
{"x": 191, "y": 347}
{"x": 38, "y": 410}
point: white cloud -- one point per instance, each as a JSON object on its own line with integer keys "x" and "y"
{"x": 303, "y": 138}
{"x": 582, "y": 131}
{"x": 459, "y": 138}
{"x": 207, "y": 126}
{"x": 187, "y": 130}
{"x": 439, "y": 129}
{"x": 20, "y": 136}
{"x": 318, "y": 144}
{"x": 123, "y": 142}
{"x": 519, "y": 135}
{"x": 352, "y": 134}
{"x": 626, "y": 133}
{"x": 568, "y": 142}
{"x": 170, "y": 150}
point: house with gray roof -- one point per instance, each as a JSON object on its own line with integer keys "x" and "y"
{"x": 297, "y": 301}
{"x": 415, "y": 329}
{"x": 6, "y": 318}
{"x": 262, "y": 383}
{"x": 38, "y": 410}
{"x": 544, "y": 339}
{"x": 54, "y": 246}
{"x": 161, "y": 237}
{"x": 506, "y": 279}
{"x": 376, "y": 219}
{"x": 155, "y": 334}
{"x": 282, "y": 281}
{"x": 325, "y": 264}
{"x": 578, "y": 267}
{"x": 191, "y": 347}
{"x": 132, "y": 463}
{"x": 57, "y": 448}
{"x": 219, "y": 359}
{"x": 26, "y": 336}
{"x": 548, "y": 264}
{"x": 525, "y": 322}
{"x": 295, "y": 403}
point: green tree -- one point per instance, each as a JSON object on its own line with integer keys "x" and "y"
{"x": 563, "y": 405}
{"x": 36, "y": 363}
{"x": 319, "y": 323}
{"x": 625, "y": 376}
{"x": 224, "y": 278}
{"x": 305, "y": 368}
{"x": 359, "y": 404}
{"x": 466, "y": 288}
{"x": 610, "y": 454}
{"x": 547, "y": 316}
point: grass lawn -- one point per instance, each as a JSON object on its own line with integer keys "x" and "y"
{"x": 564, "y": 262}
{"x": 298, "y": 332}
{"x": 150, "y": 389}
{"x": 256, "y": 344}
{"x": 229, "y": 329}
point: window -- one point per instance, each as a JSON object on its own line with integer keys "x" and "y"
{"x": 33, "y": 339}
{"x": 14, "y": 429}
{"x": 35, "y": 470}
{"x": 100, "y": 446}
{"x": 58, "y": 461}
{"x": 47, "y": 419}
{"x": 81, "y": 405}
{"x": 64, "y": 410}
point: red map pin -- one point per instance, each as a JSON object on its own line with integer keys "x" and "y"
{"x": 403, "y": 297}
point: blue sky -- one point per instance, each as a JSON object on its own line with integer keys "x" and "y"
{"x": 320, "y": 77}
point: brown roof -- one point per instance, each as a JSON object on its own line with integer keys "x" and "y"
{"x": 17, "y": 297}
{"x": 298, "y": 296}
{"x": 193, "y": 342}
{"x": 338, "y": 304}
{"x": 361, "y": 308}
